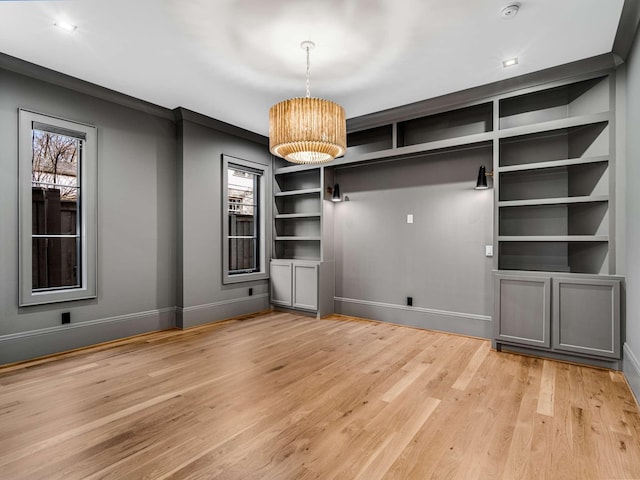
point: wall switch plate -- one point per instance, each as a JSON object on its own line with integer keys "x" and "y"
{"x": 410, "y": 218}
{"x": 410, "y": 301}
{"x": 250, "y": 291}
{"x": 488, "y": 250}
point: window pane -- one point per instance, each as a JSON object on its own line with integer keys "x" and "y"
{"x": 241, "y": 225}
{"x": 55, "y": 262}
{"x": 55, "y": 205}
{"x": 52, "y": 213}
{"x": 242, "y": 257}
{"x": 241, "y": 189}
{"x": 55, "y": 161}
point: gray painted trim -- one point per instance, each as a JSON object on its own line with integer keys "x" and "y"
{"x": 88, "y": 167}
{"x": 44, "y": 74}
{"x": 182, "y": 114}
{"x": 631, "y": 369}
{"x": 207, "y": 306}
{"x": 598, "y": 63}
{"x": 88, "y": 323}
{"x": 265, "y": 179}
{"x": 431, "y": 311}
{"x": 564, "y": 357}
{"x": 429, "y": 319}
{"x": 222, "y": 310}
{"x": 629, "y": 19}
{"x": 47, "y": 341}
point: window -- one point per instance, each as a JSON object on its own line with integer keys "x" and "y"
{"x": 57, "y": 209}
{"x": 244, "y": 219}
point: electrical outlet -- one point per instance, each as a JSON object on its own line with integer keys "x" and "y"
{"x": 410, "y": 218}
{"x": 250, "y": 291}
{"x": 409, "y": 301}
{"x": 66, "y": 317}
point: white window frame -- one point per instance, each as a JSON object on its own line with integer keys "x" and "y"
{"x": 263, "y": 225}
{"x": 88, "y": 201}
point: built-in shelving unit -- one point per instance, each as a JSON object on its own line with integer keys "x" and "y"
{"x": 553, "y": 150}
{"x": 553, "y": 180}
{"x": 460, "y": 128}
{"x": 298, "y": 214}
{"x": 302, "y": 267}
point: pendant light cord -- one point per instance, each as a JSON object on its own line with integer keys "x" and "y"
{"x": 308, "y": 69}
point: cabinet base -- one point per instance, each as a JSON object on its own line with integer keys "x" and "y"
{"x": 612, "y": 364}
{"x": 306, "y": 313}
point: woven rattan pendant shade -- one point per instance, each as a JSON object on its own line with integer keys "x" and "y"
{"x": 307, "y": 130}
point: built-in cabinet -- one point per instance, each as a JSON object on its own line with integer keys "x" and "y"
{"x": 294, "y": 284}
{"x": 569, "y": 315}
{"x": 555, "y": 192}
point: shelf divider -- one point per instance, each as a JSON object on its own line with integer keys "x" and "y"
{"x": 553, "y": 201}
{"x": 290, "y": 193}
{"x": 553, "y": 238}
{"x": 555, "y": 124}
{"x": 554, "y": 163}
{"x": 306, "y": 239}
{"x": 297, "y": 215}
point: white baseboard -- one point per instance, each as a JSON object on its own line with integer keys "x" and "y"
{"x": 432, "y": 319}
{"x": 631, "y": 370}
{"x": 30, "y": 344}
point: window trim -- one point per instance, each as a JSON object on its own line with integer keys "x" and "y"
{"x": 264, "y": 210}
{"x": 88, "y": 210}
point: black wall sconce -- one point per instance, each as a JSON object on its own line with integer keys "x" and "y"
{"x": 335, "y": 193}
{"x": 481, "y": 183}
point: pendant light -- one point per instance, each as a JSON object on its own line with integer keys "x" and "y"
{"x": 307, "y": 130}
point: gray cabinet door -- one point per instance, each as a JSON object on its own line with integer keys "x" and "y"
{"x": 586, "y": 316}
{"x": 305, "y": 286}
{"x": 523, "y": 309}
{"x": 281, "y": 283}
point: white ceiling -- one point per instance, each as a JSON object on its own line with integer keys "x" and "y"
{"x": 233, "y": 59}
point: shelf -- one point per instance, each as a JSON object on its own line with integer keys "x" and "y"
{"x": 306, "y": 191}
{"x": 291, "y": 239}
{"x": 370, "y": 140}
{"x": 554, "y": 163}
{"x": 581, "y": 180}
{"x": 554, "y": 256}
{"x": 292, "y": 168}
{"x": 555, "y": 124}
{"x": 459, "y": 123}
{"x": 480, "y": 140}
{"x": 573, "y": 219}
{"x": 562, "y": 102}
{"x": 554, "y": 201}
{"x": 296, "y": 215}
{"x": 554, "y": 238}
{"x": 578, "y": 142}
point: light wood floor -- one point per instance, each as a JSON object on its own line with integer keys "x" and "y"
{"x": 281, "y": 396}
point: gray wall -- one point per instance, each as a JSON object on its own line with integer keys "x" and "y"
{"x": 202, "y": 297}
{"x": 136, "y": 228}
{"x": 632, "y": 346}
{"x": 438, "y": 260}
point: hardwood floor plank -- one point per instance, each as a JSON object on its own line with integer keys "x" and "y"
{"x": 467, "y": 375}
{"x": 281, "y": 395}
{"x": 547, "y": 389}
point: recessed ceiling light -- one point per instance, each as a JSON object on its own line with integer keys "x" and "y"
{"x": 66, "y": 26}
{"x": 510, "y": 62}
